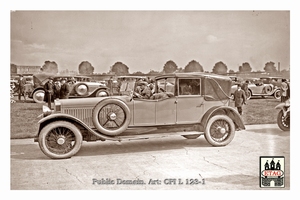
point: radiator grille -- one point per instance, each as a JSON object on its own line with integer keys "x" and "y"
{"x": 84, "y": 114}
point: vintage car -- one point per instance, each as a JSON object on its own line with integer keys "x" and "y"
{"x": 15, "y": 86}
{"x": 259, "y": 87}
{"x": 203, "y": 111}
{"x": 80, "y": 86}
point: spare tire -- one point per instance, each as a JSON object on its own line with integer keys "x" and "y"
{"x": 81, "y": 89}
{"x": 111, "y": 116}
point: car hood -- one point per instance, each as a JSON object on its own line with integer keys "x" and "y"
{"x": 87, "y": 102}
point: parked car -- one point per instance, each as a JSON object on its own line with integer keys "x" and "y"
{"x": 257, "y": 87}
{"x": 80, "y": 86}
{"x": 15, "y": 86}
{"x": 205, "y": 111}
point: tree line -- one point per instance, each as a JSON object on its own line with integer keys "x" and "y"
{"x": 170, "y": 66}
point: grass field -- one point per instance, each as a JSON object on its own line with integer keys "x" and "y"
{"x": 24, "y": 121}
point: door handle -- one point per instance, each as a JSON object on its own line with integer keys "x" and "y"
{"x": 200, "y": 105}
{"x": 175, "y": 101}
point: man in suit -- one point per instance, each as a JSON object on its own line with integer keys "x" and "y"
{"x": 64, "y": 90}
{"x": 239, "y": 98}
{"x": 21, "y": 84}
{"x": 49, "y": 91}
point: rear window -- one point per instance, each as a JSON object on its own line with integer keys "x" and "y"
{"x": 216, "y": 89}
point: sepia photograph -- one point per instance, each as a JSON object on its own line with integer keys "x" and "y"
{"x": 140, "y": 100}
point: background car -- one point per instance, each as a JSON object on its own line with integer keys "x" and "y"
{"x": 259, "y": 87}
{"x": 80, "y": 87}
{"x": 203, "y": 111}
{"x": 15, "y": 86}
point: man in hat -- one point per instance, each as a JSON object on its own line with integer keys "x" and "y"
{"x": 239, "y": 98}
{"x": 145, "y": 91}
{"x": 65, "y": 89}
{"x": 21, "y": 84}
{"x": 49, "y": 91}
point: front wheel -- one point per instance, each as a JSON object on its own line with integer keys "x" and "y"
{"x": 60, "y": 139}
{"x": 283, "y": 122}
{"x": 220, "y": 130}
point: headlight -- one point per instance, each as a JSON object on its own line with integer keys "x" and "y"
{"x": 57, "y": 106}
{"x": 46, "y": 110}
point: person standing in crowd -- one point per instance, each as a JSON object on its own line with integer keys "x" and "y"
{"x": 21, "y": 84}
{"x": 49, "y": 91}
{"x": 56, "y": 89}
{"x": 239, "y": 98}
{"x": 284, "y": 90}
{"x": 64, "y": 90}
{"x": 110, "y": 85}
{"x": 245, "y": 88}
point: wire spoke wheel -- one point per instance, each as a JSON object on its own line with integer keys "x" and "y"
{"x": 220, "y": 130}
{"x": 111, "y": 116}
{"x": 283, "y": 121}
{"x": 60, "y": 139}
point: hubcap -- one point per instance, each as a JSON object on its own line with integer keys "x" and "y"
{"x": 60, "y": 141}
{"x": 112, "y": 116}
{"x": 222, "y": 130}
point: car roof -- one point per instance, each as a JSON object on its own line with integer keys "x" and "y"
{"x": 194, "y": 75}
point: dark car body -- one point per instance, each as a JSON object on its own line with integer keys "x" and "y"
{"x": 80, "y": 86}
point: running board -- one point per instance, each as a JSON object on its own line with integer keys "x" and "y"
{"x": 156, "y": 135}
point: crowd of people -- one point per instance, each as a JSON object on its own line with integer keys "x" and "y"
{"x": 59, "y": 89}
{"x": 240, "y": 95}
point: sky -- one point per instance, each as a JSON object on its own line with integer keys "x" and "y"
{"x": 146, "y": 40}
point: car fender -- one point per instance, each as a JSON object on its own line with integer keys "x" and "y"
{"x": 224, "y": 110}
{"x": 35, "y": 89}
{"x": 280, "y": 106}
{"x": 60, "y": 116}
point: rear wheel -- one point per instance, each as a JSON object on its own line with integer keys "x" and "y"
{"x": 277, "y": 94}
{"x": 220, "y": 130}
{"x": 60, "y": 139}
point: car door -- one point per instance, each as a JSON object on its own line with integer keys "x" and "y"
{"x": 189, "y": 102}
{"x": 154, "y": 112}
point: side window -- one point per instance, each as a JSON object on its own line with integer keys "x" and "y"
{"x": 189, "y": 86}
{"x": 166, "y": 85}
